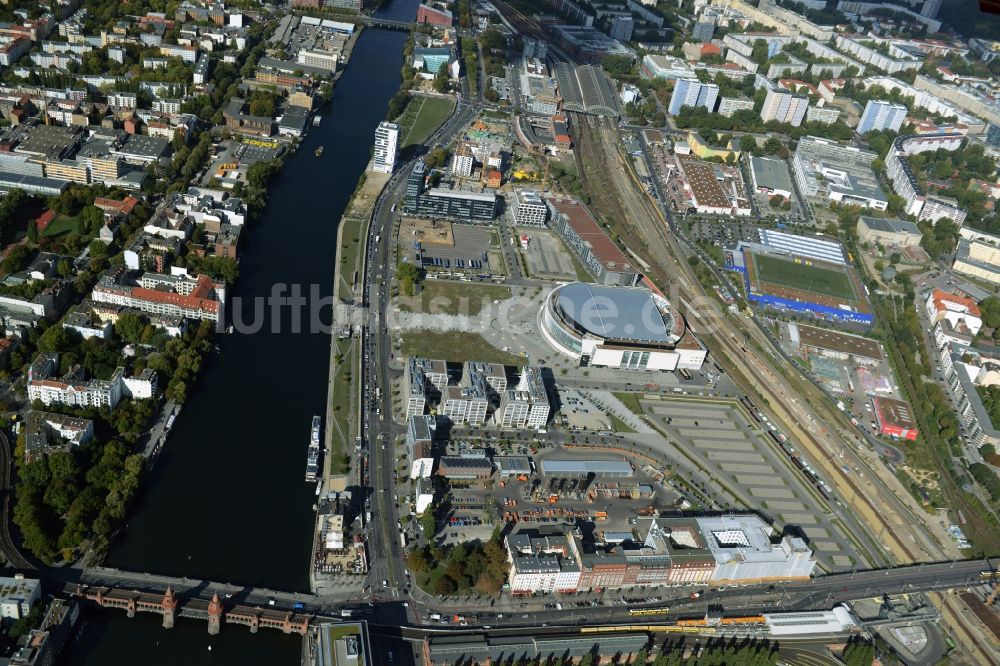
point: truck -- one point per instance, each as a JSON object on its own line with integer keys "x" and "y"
{"x": 435, "y": 616}
{"x": 402, "y": 539}
{"x": 344, "y": 612}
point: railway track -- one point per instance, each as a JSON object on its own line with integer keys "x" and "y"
{"x": 7, "y": 546}
{"x": 635, "y": 205}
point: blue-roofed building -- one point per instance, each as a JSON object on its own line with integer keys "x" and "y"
{"x": 629, "y": 328}
{"x": 432, "y": 59}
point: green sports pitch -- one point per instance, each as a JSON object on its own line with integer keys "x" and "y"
{"x": 815, "y": 279}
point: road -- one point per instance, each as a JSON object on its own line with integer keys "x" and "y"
{"x": 388, "y": 577}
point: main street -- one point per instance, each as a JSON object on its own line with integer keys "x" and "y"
{"x": 388, "y": 577}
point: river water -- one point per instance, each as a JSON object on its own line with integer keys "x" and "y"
{"x": 226, "y": 500}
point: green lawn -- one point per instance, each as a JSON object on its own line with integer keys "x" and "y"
{"x": 787, "y": 273}
{"x": 431, "y": 113}
{"x": 456, "y": 347}
{"x": 63, "y": 224}
{"x": 630, "y": 400}
{"x": 440, "y": 297}
{"x": 620, "y": 426}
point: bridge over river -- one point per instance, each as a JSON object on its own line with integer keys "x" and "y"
{"x": 292, "y": 612}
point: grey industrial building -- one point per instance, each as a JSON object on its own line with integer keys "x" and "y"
{"x": 450, "y": 650}
{"x": 462, "y": 205}
{"x": 771, "y": 176}
{"x": 576, "y": 467}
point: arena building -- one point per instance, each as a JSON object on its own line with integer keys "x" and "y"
{"x": 618, "y": 327}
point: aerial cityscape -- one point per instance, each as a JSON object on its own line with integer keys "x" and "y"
{"x": 548, "y": 332}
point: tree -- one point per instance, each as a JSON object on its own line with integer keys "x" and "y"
{"x": 444, "y": 585}
{"x": 262, "y": 104}
{"x": 408, "y": 275}
{"x": 33, "y": 233}
{"x": 441, "y": 79}
{"x": 16, "y": 259}
{"x": 416, "y": 560}
{"x": 130, "y": 327}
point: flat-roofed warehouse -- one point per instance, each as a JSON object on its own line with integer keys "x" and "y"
{"x": 586, "y": 89}
{"x": 578, "y": 467}
{"x": 835, "y": 341}
{"x": 888, "y": 232}
{"x": 771, "y": 176}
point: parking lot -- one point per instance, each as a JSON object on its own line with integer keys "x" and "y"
{"x": 545, "y": 256}
{"x": 455, "y": 249}
{"x": 720, "y": 438}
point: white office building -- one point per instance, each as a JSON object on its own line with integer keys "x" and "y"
{"x": 529, "y": 209}
{"x": 386, "y": 146}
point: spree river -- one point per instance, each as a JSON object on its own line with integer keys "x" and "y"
{"x": 226, "y": 500}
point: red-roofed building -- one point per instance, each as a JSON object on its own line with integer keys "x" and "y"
{"x": 895, "y": 419}
{"x": 493, "y": 178}
{"x": 434, "y": 16}
{"x": 114, "y": 207}
{"x": 45, "y": 219}
{"x": 175, "y": 296}
{"x": 960, "y": 312}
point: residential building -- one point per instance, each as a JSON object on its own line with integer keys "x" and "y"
{"x": 784, "y": 107}
{"x": 386, "y": 147}
{"x": 463, "y": 161}
{"x": 822, "y": 114}
{"x": 905, "y": 182}
{"x": 978, "y": 255}
{"x": 161, "y": 294}
{"x": 47, "y": 432}
{"x": 937, "y": 207}
{"x": 965, "y": 369}
{"x": 958, "y": 311}
{"x": 73, "y": 389}
{"x": 530, "y": 209}
{"x": 621, "y": 28}
{"x": 526, "y": 405}
{"x": 691, "y": 92}
{"x": 43, "y": 645}
{"x": 881, "y": 115}
{"x": 18, "y": 595}
{"x": 730, "y": 105}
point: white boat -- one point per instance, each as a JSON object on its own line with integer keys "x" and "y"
{"x": 316, "y": 119}
{"x": 312, "y": 453}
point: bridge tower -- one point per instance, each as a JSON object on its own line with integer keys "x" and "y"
{"x": 169, "y": 605}
{"x": 214, "y": 615}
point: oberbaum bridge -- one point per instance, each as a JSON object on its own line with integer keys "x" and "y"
{"x": 169, "y": 605}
